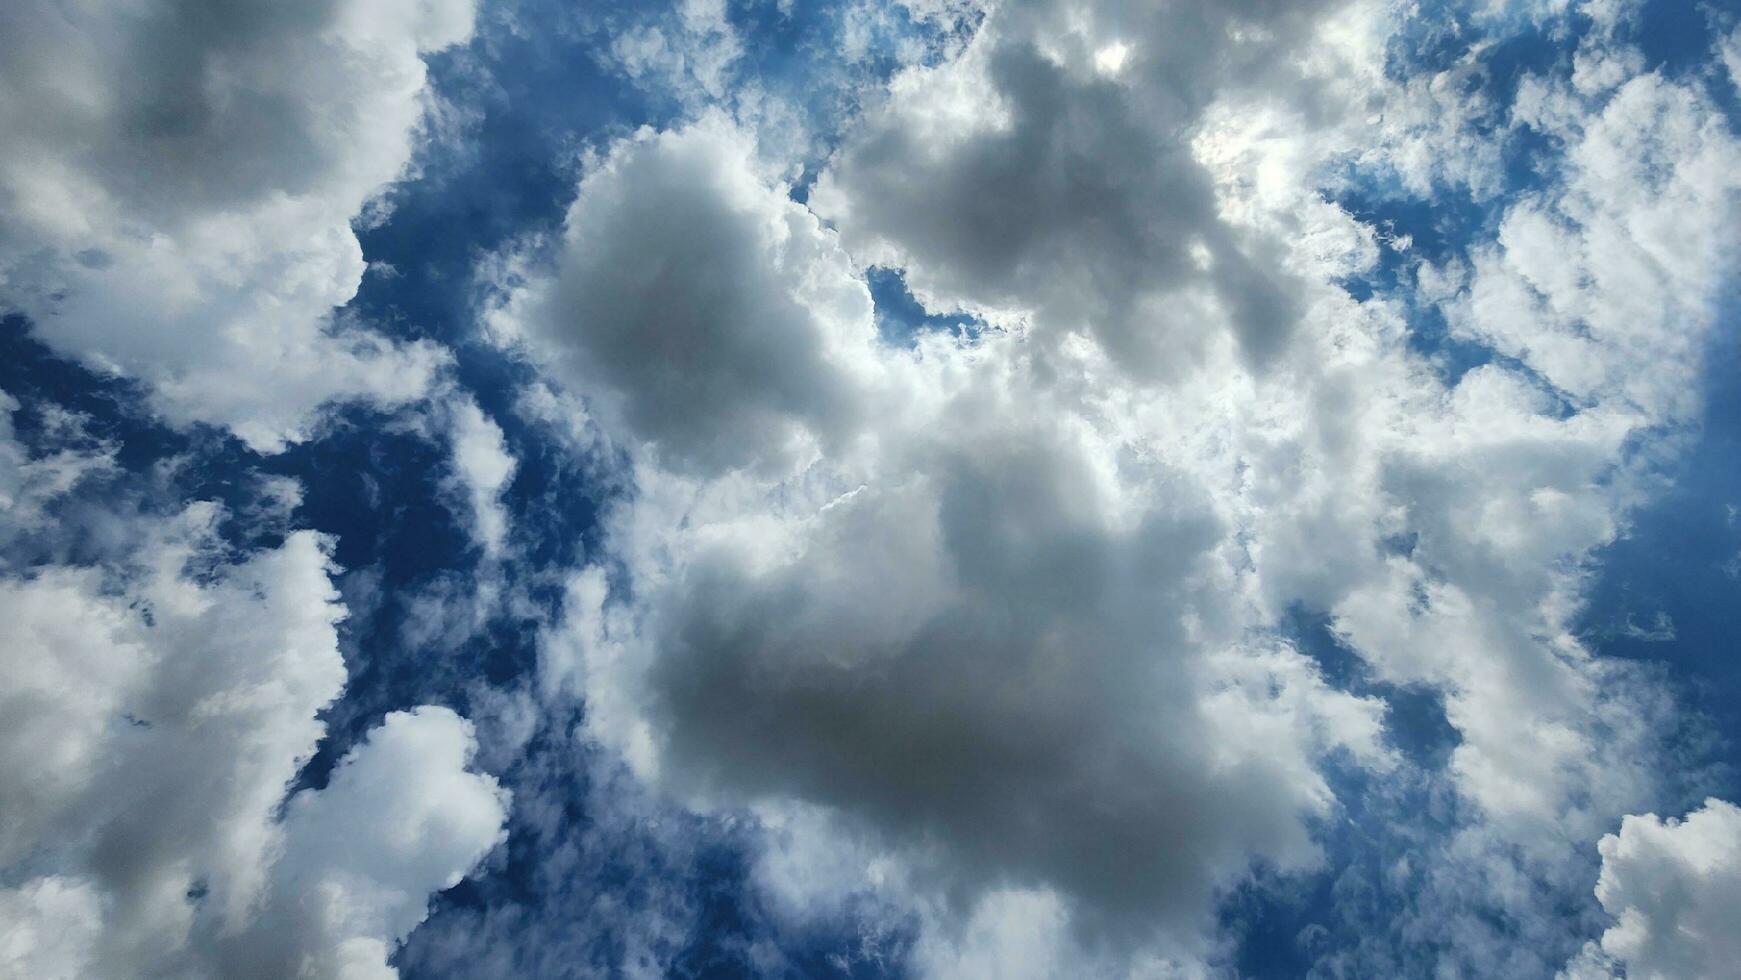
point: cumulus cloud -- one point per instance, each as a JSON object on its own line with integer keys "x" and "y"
{"x": 1040, "y": 176}
{"x": 158, "y": 705}
{"x": 177, "y": 187}
{"x": 401, "y": 818}
{"x": 992, "y": 633}
{"x": 701, "y": 315}
{"x": 979, "y": 624}
{"x": 1009, "y": 607}
{"x": 1673, "y": 887}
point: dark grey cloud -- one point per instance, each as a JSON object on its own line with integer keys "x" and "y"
{"x": 1070, "y": 189}
{"x": 975, "y": 665}
{"x": 700, "y": 314}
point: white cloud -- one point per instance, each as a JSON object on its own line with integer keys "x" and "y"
{"x": 1604, "y": 284}
{"x": 1673, "y": 886}
{"x": 49, "y": 928}
{"x": 177, "y": 186}
{"x": 688, "y": 52}
{"x": 482, "y": 468}
{"x": 158, "y": 705}
{"x": 29, "y": 484}
{"x": 1729, "y": 49}
{"x": 401, "y": 818}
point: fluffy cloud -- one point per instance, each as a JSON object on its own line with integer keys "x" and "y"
{"x": 158, "y": 705}
{"x": 1673, "y": 886}
{"x": 177, "y": 187}
{"x": 1039, "y": 175}
{"x": 989, "y": 631}
{"x": 702, "y": 317}
{"x": 401, "y": 818}
{"x": 1008, "y": 607}
{"x": 1603, "y": 287}
{"x": 979, "y": 623}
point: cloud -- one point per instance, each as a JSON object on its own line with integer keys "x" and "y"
{"x": 982, "y": 626}
{"x": 1673, "y": 886}
{"x": 482, "y": 470}
{"x": 709, "y": 319}
{"x": 50, "y": 928}
{"x": 29, "y": 484}
{"x": 987, "y": 644}
{"x": 122, "y": 700}
{"x": 1026, "y": 177}
{"x": 1008, "y": 610}
{"x": 177, "y": 187}
{"x": 159, "y": 704}
{"x": 1604, "y": 284}
{"x": 687, "y": 52}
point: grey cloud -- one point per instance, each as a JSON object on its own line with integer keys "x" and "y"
{"x": 1031, "y": 717}
{"x": 1084, "y": 205}
{"x": 1017, "y": 626}
{"x": 1001, "y": 664}
{"x": 679, "y": 305}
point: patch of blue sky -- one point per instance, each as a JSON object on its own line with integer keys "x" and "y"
{"x": 1668, "y": 589}
{"x": 582, "y": 888}
{"x": 797, "y": 51}
{"x": 529, "y": 100}
{"x": 1284, "y": 923}
{"x": 379, "y": 493}
{"x": 1676, "y": 36}
{"x": 901, "y": 318}
{"x": 113, "y": 415}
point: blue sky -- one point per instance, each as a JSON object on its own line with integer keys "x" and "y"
{"x": 757, "y": 489}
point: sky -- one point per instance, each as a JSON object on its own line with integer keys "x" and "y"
{"x": 933, "y": 489}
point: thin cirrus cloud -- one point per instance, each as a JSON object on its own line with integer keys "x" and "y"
{"x": 1198, "y": 588}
